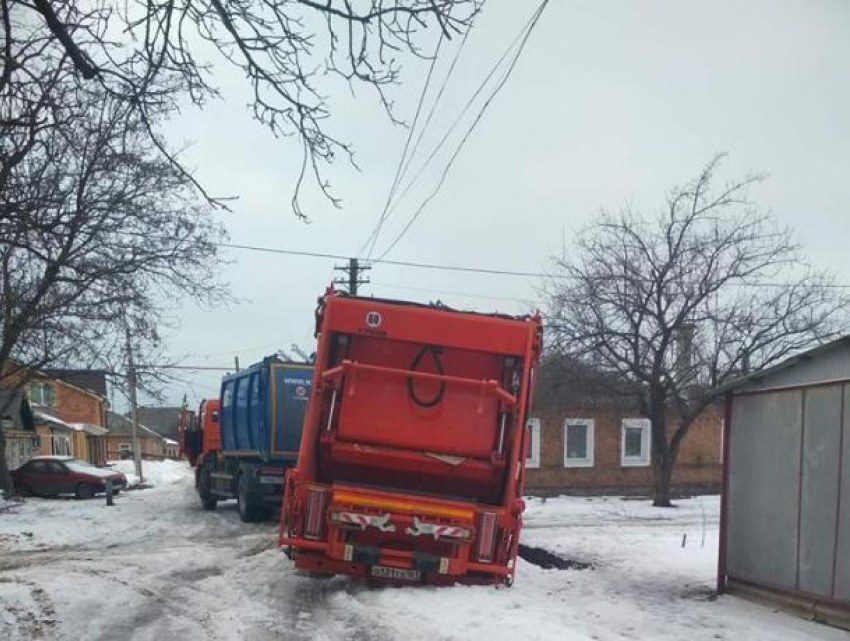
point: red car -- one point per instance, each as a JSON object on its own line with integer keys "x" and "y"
{"x": 55, "y": 475}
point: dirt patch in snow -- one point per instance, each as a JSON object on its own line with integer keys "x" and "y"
{"x": 549, "y": 561}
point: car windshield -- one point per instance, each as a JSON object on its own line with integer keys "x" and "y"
{"x": 75, "y": 465}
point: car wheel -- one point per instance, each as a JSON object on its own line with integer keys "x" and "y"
{"x": 84, "y": 491}
{"x": 248, "y": 510}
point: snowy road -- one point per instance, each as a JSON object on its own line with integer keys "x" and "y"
{"x": 156, "y": 566}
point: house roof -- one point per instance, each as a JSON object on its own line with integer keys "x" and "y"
{"x": 118, "y": 424}
{"x": 787, "y": 364}
{"x": 162, "y": 419}
{"x": 565, "y": 383}
{"x": 90, "y": 380}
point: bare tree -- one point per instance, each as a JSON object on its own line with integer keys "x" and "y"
{"x": 677, "y": 305}
{"x": 151, "y": 55}
{"x": 97, "y": 231}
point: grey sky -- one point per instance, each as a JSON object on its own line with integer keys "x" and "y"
{"x": 612, "y": 101}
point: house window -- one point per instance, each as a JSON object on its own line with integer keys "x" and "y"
{"x": 578, "y": 442}
{"x": 60, "y": 445}
{"x": 532, "y": 453}
{"x": 41, "y": 393}
{"x": 125, "y": 447}
{"x": 636, "y": 440}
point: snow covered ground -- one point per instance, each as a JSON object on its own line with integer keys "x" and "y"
{"x": 156, "y": 566}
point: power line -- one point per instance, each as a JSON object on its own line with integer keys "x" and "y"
{"x": 398, "y": 263}
{"x": 468, "y": 134}
{"x": 434, "y": 105}
{"x": 194, "y": 368}
{"x": 373, "y": 237}
{"x": 462, "y": 113}
{"x": 455, "y": 268}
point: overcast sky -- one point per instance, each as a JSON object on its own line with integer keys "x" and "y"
{"x": 612, "y": 101}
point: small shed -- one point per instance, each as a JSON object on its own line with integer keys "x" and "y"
{"x": 785, "y": 515}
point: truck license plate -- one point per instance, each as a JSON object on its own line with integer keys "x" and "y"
{"x": 399, "y": 574}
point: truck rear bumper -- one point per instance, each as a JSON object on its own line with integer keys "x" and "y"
{"x": 319, "y": 556}
{"x": 368, "y": 532}
{"x": 477, "y": 574}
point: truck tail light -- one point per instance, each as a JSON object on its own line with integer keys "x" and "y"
{"x": 314, "y": 523}
{"x": 487, "y": 537}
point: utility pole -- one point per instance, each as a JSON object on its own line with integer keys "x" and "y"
{"x": 353, "y": 272}
{"x": 134, "y": 407}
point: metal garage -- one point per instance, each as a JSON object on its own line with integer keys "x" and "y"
{"x": 785, "y": 516}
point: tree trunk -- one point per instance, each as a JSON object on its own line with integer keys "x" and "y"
{"x": 5, "y": 478}
{"x": 663, "y": 456}
{"x": 662, "y": 472}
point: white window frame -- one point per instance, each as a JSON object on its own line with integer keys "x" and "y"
{"x": 42, "y": 394}
{"x": 125, "y": 447}
{"x": 60, "y": 445}
{"x": 533, "y": 427}
{"x": 645, "y": 458}
{"x": 587, "y": 461}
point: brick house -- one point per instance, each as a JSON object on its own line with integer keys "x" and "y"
{"x": 590, "y": 438}
{"x": 67, "y": 409}
{"x": 119, "y": 440}
{"x": 70, "y": 411}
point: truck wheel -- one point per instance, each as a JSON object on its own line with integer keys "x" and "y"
{"x": 208, "y": 501}
{"x": 249, "y": 511}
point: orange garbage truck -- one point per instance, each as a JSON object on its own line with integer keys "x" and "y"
{"x": 411, "y": 466}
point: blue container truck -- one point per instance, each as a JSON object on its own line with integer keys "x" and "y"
{"x": 260, "y": 417}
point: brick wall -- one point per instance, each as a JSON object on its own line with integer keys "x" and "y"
{"x": 698, "y": 465}
{"x": 75, "y": 406}
{"x": 150, "y": 447}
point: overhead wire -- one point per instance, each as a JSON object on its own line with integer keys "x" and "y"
{"x": 458, "y": 119}
{"x": 455, "y": 268}
{"x": 436, "y": 102}
{"x": 421, "y": 136}
{"x": 373, "y": 237}
{"x": 524, "y": 40}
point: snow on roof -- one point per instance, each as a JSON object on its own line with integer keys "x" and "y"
{"x": 43, "y": 417}
{"x": 90, "y": 428}
{"x": 168, "y": 441}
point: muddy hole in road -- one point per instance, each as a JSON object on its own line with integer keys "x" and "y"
{"x": 550, "y": 561}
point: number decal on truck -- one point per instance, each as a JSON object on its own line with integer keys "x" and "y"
{"x": 373, "y": 319}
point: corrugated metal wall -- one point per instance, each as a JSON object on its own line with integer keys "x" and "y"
{"x": 788, "y": 497}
